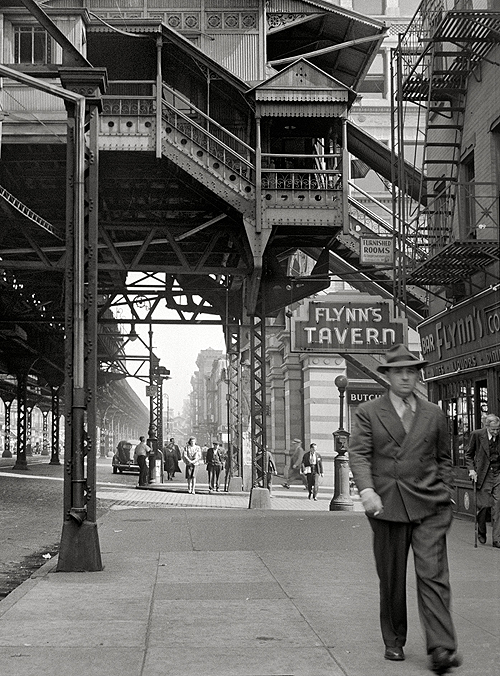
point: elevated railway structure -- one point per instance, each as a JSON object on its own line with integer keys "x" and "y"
{"x": 174, "y": 158}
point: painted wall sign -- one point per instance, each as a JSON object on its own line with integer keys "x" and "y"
{"x": 464, "y": 337}
{"x": 364, "y": 326}
{"x": 356, "y": 398}
{"x": 376, "y": 250}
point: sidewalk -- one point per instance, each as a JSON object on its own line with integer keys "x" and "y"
{"x": 235, "y": 592}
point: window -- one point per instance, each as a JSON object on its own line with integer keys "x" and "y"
{"x": 32, "y": 45}
{"x": 469, "y": 175}
{"x": 368, "y": 7}
{"x": 374, "y": 82}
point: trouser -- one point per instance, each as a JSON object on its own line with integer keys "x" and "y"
{"x": 489, "y": 497}
{"x": 391, "y": 544}
{"x": 312, "y": 483}
{"x": 143, "y": 470}
{"x": 213, "y": 476}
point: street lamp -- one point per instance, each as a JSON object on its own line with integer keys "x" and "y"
{"x": 341, "y": 500}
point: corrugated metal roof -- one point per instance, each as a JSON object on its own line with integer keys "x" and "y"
{"x": 455, "y": 262}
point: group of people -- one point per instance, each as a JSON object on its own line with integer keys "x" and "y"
{"x": 215, "y": 459}
{"x": 192, "y": 457}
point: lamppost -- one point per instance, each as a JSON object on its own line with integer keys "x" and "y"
{"x": 341, "y": 500}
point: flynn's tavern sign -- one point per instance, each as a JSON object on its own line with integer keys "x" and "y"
{"x": 361, "y": 326}
{"x": 463, "y": 338}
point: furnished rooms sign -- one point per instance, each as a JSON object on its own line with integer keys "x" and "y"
{"x": 362, "y": 326}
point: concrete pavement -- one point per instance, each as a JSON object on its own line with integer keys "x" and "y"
{"x": 202, "y": 589}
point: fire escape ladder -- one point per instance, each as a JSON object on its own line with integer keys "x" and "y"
{"x": 434, "y": 59}
{"x": 445, "y": 109}
{"x": 207, "y": 151}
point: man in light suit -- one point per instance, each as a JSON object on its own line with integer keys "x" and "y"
{"x": 483, "y": 462}
{"x": 312, "y": 469}
{"x": 399, "y": 454}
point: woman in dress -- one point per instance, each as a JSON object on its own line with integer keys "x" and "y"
{"x": 192, "y": 458}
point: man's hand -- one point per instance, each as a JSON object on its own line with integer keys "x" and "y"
{"x": 473, "y": 475}
{"x": 371, "y": 502}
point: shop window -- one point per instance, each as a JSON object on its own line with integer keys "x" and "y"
{"x": 32, "y": 45}
{"x": 460, "y": 409}
{"x": 481, "y": 403}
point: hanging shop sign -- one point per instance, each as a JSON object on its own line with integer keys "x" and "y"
{"x": 464, "y": 337}
{"x": 362, "y": 327}
{"x": 376, "y": 251}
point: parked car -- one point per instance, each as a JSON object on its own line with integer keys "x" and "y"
{"x": 122, "y": 459}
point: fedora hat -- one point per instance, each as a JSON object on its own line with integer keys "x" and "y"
{"x": 399, "y": 356}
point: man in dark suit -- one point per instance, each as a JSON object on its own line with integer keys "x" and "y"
{"x": 399, "y": 454}
{"x": 214, "y": 466}
{"x": 312, "y": 468}
{"x": 483, "y": 462}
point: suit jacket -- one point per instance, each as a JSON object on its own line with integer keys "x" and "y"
{"x": 317, "y": 467}
{"x": 411, "y": 472}
{"x": 477, "y": 455}
{"x": 214, "y": 457}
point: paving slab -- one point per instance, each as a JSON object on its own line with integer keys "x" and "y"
{"x": 237, "y": 592}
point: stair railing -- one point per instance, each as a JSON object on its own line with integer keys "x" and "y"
{"x": 376, "y": 224}
{"x": 222, "y": 145}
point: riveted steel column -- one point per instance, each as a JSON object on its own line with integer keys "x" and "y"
{"x": 7, "y": 453}
{"x": 54, "y": 457}
{"x": 22, "y": 386}
{"x": 233, "y": 404}
{"x": 79, "y": 542}
{"x": 258, "y": 400}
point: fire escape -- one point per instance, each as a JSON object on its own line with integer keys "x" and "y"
{"x": 452, "y": 233}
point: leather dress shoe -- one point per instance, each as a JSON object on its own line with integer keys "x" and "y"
{"x": 442, "y": 660}
{"x": 482, "y": 538}
{"x": 394, "y": 653}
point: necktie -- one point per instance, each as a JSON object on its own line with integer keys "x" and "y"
{"x": 407, "y": 418}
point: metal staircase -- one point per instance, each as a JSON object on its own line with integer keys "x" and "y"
{"x": 213, "y": 155}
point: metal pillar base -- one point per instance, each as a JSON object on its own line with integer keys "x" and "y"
{"x": 341, "y": 506}
{"x": 79, "y": 551}
{"x": 341, "y": 501}
{"x": 260, "y": 498}
{"x": 234, "y": 485}
{"x": 6, "y": 454}
{"x": 20, "y": 464}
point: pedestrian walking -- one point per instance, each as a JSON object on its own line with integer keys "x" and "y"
{"x": 312, "y": 469}
{"x": 214, "y": 466}
{"x": 228, "y": 469}
{"x": 294, "y": 470}
{"x": 192, "y": 458}
{"x": 141, "y": 453}
{"x": 400, "y": 458}
{"x": 271, "y": 468}
{"x": 171, "y": 457}
{"x": 483, "y": 462}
